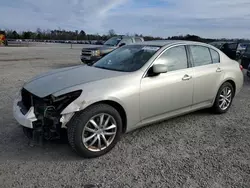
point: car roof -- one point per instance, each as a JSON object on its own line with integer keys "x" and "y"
{"x": 167, "y": 42}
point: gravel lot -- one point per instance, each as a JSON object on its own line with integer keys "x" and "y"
{"x": 196, "y": 150}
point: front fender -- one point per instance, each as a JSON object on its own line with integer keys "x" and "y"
{"x": 76, "y": 106}
{"x": 79, "y": 105}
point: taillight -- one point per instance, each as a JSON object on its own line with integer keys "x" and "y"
{"x": 241, "y": 67}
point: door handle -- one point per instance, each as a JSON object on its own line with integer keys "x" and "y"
{"x": 186, "y": 77}
{"x": 218, "y": 69}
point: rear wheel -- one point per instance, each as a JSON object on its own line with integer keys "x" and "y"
{"x": 224, "y": 98}
{"x": 95, "y": 131}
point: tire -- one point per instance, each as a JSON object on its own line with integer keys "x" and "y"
{"x": 218, "y": 107}
{"x": 28, "y": 132}
{"x": 81, "y": 122}
{"x": 83, "y": 61}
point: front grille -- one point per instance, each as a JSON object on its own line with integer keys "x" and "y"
{"x": 86, "y": 52}
{"x": 26, "y": 98}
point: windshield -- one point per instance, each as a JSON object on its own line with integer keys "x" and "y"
{"x": 113, "y": 41}
{"x": 128, "y": 58}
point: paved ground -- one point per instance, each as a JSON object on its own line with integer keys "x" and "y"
{"x": 196, "y": 150}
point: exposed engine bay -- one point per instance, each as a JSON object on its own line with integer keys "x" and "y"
{"x": 47, "y": 111}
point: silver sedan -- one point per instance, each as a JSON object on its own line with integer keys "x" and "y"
{"x": 133, "y": 86}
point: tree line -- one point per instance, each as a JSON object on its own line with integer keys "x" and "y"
{"x": 58, "y": 34}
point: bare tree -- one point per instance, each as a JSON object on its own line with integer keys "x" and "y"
{"x": 111, "y": 32}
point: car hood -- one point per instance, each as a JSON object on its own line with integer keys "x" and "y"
{"x": 54, "y": 81}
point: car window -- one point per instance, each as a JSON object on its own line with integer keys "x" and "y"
{"x": 175, "y": 58}
{"x": 126, "y": 41}
{"x": 138, "y": 40}
{"x": 232, "y": 46}
{"x": 201, "y": 55}
{"x": 215, "y": 56}
{"x": 113, "y": 41}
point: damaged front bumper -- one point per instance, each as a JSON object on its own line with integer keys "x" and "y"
{"x": 25, "y": 119}
{"x": 43, "y": 115}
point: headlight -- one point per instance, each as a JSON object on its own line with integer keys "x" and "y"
{"x": 63, "y": 101}
{"x": 96, "y": 53}
{"x": 72, "y": 95}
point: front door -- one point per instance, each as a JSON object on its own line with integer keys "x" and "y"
{"x": 170, "y": 91}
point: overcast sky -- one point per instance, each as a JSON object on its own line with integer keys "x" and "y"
{"x": 206, "y": 18}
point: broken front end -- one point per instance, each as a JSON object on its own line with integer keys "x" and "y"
{"x": 42, "y": 117}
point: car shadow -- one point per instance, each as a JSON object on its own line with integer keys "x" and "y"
{"x": 21, "y": 148}
{"x": 15, "y": 146}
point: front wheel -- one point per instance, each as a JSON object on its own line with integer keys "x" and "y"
{"x": 95, "y": 131}
{"x": 224, "y": 98}
{"x": 28, "y": 132}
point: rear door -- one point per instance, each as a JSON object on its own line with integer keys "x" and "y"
{"x": 207, "y": 74}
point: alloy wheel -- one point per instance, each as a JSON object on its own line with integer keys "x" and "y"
{"x": 99, "y": 132}
{"x": 225, "y": 98}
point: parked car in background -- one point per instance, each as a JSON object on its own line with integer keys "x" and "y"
{"x": 245, "y": 60}
{"x": 248, "y": 70}
{"x": 234, "y": 50}
{"x": 3, "y": 40}
{"x": 133, "y": 86}
{"x": 99, "y": 42}
{"x": 218, "y": 44}
{"x": 92, "y": 54}
{"x": 242, "y": 47}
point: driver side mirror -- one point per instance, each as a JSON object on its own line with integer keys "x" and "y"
{"x": 122, "y": 44}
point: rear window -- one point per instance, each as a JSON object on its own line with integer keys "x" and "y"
{"x": 201, "y": 55}
{"x": 215, "y": 56}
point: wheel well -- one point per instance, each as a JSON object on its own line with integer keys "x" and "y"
{"x": 120, "y": 109}
{"x": 233, "y": 84}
